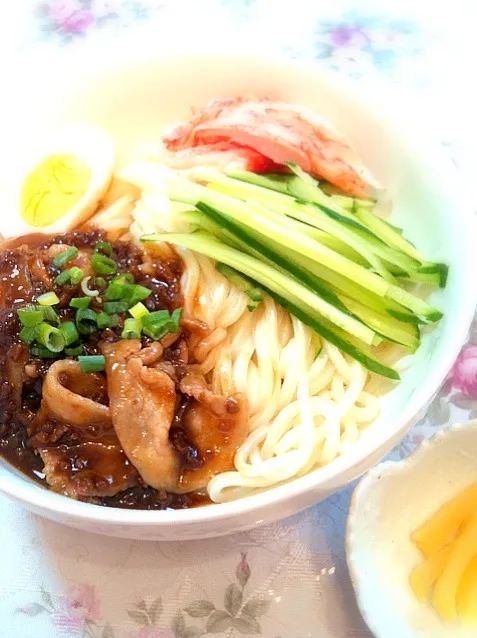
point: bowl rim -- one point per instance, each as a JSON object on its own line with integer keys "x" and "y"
{"x": 40, "y": 498}
{"x": 388, "y": 468}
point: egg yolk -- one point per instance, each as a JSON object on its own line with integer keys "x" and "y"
{"x": 53, "y": 188}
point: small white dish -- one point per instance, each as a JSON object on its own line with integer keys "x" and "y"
{"x": 390, "y": 502}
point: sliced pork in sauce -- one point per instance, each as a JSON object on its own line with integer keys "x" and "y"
{"x": 74, "y": 435}
{"x": 142, "y": 430}
{"x": 277, "y": 131}
{"x": 142, "y": 401}
{"x": 218, "y": 425}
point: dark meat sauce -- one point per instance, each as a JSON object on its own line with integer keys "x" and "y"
{"x": 25, "y": 273}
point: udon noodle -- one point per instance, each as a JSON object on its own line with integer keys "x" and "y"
{"x": 308, "y": 402}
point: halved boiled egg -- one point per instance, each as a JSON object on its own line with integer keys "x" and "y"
{"x": 55, "y": 185}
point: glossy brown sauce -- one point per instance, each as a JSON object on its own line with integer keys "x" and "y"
{"x": 89, "y": 453}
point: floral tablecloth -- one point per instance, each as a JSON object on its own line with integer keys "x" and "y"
{"x": 288, "y": 580}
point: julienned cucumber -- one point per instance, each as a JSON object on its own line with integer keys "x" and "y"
{"x": 288, "y": 294}
{"x": 324, "y": 257}
{"x": 247, "y": 285}
{"x": 292, "y": 263}
{"x": 285, "y": 232}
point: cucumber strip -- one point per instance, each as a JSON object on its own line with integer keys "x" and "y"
{"x": 387, "y": 233}
{"x": 292, "y": 303}
{"x": 280, "y": 203}
{"x": 344, "y": 202}
{"x": 272, "y": 181}
{"x": 242, "y": 190}
{"x": 253, "y": 244}
{"x": 431, "y": 279}
{"x": 418, "y": 306}
{"x": 245, "y": 284}
{"x": 341, "y": 285}
{"x": 264, "y": 249}
{"x": 268, "y": 227}
{"x": 282, "y": 230}
{"x": 334, "y": 335}
{"x": 406, "y": 334}
{"x": 266, "y": 276}
{"x": 314, "y": 217}
{"x": 332, "y": 242}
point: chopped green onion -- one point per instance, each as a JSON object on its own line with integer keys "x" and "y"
{"x": 69, "y": 332}
{"x": 127, "y": 278}
{"x": 49, "y": 314}
{"x": 100, "y": 282}
{"x": 93, "y": 363}
{"x": 114, "y": 320}
{"x": 76, "y": 274}
{"x": 132, "y": 329}
{"x": 176, "y": 317}
{"x": 158, "y": 324}
{"x": 115, "y": 291}
{"x": 133, "y": 293}
{"x": 86, "y": 321}
{"x": 48, "y": 299}
{"x": 104, "y": 247}
{"x": 103, "y": 320}
{"x": 115, "y": 306}
{"x": 74, "y": 351}
{"x": 51, "y": 338}
{"x": 65, "y": 257}
{"x": 44, "y": 353}
{"x": 28, "y": 334}
{"x": 63, "y": 278}
{"x": 159, "y": 316}
{"x": 138, "y": 311}
{"x": 103, "y": 265}
{"x": 30, "y": 315}
{"x": 80, "y": 302}
{"x": 87, "y": 291}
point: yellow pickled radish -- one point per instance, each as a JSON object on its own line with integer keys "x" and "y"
{"x": 463, "y": 550}
{"x": 467, "y": 595}
{"x": 427, "y": 573}
{"x": 442, "y": 527}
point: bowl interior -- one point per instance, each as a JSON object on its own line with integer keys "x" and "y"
{"x": 134, "y": 101}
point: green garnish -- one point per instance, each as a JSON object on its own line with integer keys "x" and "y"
{"x": 86, "y": 321}
{"x": 80, "y": 302}
{"x": 76, "y": 274}
{"x": 93, "y": 363}
{"x": 104, "y": 247}
{"x": 69, "y": 332}
{"x": 65, "y": 257}
{"x": 63, "y": 278}
{"x": 30, "y": 315}
{"x": 48, "y": 299}
{"x": 103, "y": 265}
{"x": 28, "y": 334}
{"x": 74, "y": 351}
{"x": 51, "y": 338}
{"x": 132, "y": 329}
{"x": 138, "y": 311}
{"x": 112, "y": 307}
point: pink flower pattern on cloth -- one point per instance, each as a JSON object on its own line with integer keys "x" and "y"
{"x": 464, "y": 373}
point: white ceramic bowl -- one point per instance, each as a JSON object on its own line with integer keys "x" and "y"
{"x": 133, "y": 99}
{"x": 389, "y": 504}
